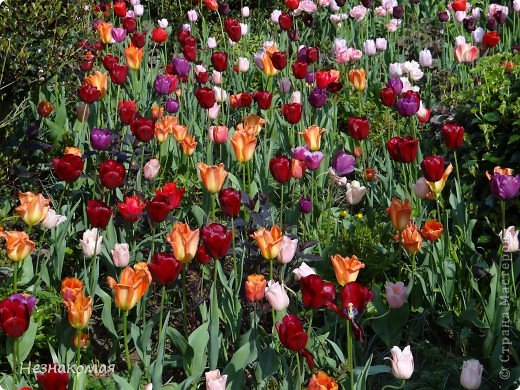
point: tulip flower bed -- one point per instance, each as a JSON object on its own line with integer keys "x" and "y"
{"x": 296, "y": 194}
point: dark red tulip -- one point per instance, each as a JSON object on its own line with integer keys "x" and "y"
{"x": 293, "y": 337}
{"x": 111, "y": 173}
{"x": 279, "y": 60}
{"x": 335, "y": 87}
{"x": 229, "y": 201}
{"x": 45, "y": 108}
{"x": 292, "y": 4}
{"x": 68, "y": 168}
{"x": 120, "y": 9}
{"x": 491, "y": 38}
{"x": 285, "y": 21}
{"x": 165, "y": 268}
{"x": 143, "y": 128}
{"x": 109, "y": 61}
{"x": 358, "y": 127}
{"x": 313, "y": 55}
{"x": 127, "y": 112}
{"x": 202, "y": 256}
{"x": 172, "y": 193}
{"x": 299, "y": 69}
{"x": 53, "y": 379}
{"x": 245, "y": 99}
{"x": 132, "y": 208}
{"x": 219, "y": 60}
{"x": 205, "y": 96}
{"x": 138, "y": 39}
{"x": 432, "y": 168}
{"x": 98, "y": 213}
{"x": 159, "y": 35}
{"x": 202, "y": 77}
{"x": 292, "y": 112}
{"x": 14, "y": 317}
{"x": 190, "y": 53}
{"x": 216, "y": 239}
{"x": 354, "y": 300}
{"x": 263, "y": 99}
{"x": 316, "y": 293}
{"x": 119, "y": 73}
{"x": 190, "y": 41}
{"x": 88, "y": 94}
{"x": 280, "y": 168}
{"x": 453, "y": 135}
{"x": 233, "y": 29}
{"x": 129, "y": 24}
{"x": 388, "y": 96}
{"x": 86, "y": 66}
{"x": 182, "y": 35}
{"x": 325, "y": 78}
{"x": 402, "y": 149}
{"x": 158, "y": 208}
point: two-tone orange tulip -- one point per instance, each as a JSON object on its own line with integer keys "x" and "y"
{"x": 133, "y": 57}
{"x": 399, "y": 213}
{"x": 411, "y": 239}
{"x": 244, "y": 145}
{"x": 184, "y": 242}
{"x": 255, "y": 287}
{"x": 188, "y": 145}
{"x": 80, "y": 310}
{"x": 71, "y": 288}
{"x": 97, "y": 80}
{"x": 432, "y": 230}
{"x": 164, "y": 127}
{"x": 18, "y": 245}
{"x": 133, "y": 284}
{"x": 358, "y": 79}
{"x": 252, "y": 123}
{"x": 157, "y": 112}
{"x": 212, "y": 176}
{"x": 269, "y": 241}
{"x": 179, "y": 132}
{"x": 312, "y": 137}
{"x": 321, "y": 381}
{"x": 33, "y": 208}
{"x": 72, "y": 150}
{"x": 346, "y": 268}
{"x": 104, "y": 30}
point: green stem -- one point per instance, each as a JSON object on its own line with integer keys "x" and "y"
{"x": 237, "y": 282}
{"x": 394, "y": 387}
{"x": 93, "y": 265}
{"x": 15, "y": 363}
{"x": 281, "y": 206}
{"x": 309, "y": 327}
{"x": 271, "y": 278}
{"x": 213, "y": 208}
{"x": 350, "y": 356}
{"x": 299, "y": 379}
{"x": 127, "y": 352}
{"x": 78, "y": 356}
{"x": 15, "y": 276}
{"x": 184, "y": 313}
{"x": 163, "y": 296}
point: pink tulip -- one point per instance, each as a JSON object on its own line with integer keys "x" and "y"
{"x": 287, "y": 250}
{"x": 466, "y": 53}
{"x": 276, "y": 295}
{"x": 213, "y": 111}
{"x": 303, "y": 271}
{"x": 402, "y": 362}
{"x": 121, "y": 255}
{"x": 215, "y": 381}
{"x": 151, "y": 169}
{"x": 395, "y": 294}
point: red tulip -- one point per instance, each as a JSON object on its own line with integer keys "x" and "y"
{"x": 388, "y": 96}
{"x": 190, "y": 53}
{"x": 459, "y": 5}
{"x": 233, "y": 29}
{"x": 127, "y": 112}
{"x": 158, "y": 208}
{"x": 299, "y": 69}
{"x": 285, "y": 21}
{"x": 402, "y": 149}
{"x": 205, "y": 96}
{"x": 68, "y": 168}
{"x": 280, "y": 168}
{"x": 159, "y": 35}
{"x": 132, "y": 208}
{"x": 53, "y": 379}
{"x": 313, "y": 55}
{"x": 325, "y": 78}
{"x": 354, "y": 300}
{"x": 143, "y": 129}
{"x": 118, "y": 73}
{"x": 263, "y": 99}
{"x": 202, "y": 256}
{"x": 216, "y": 239}
{"x": 317, "y": 293}
{"x": 491, "y": 38}
{"x": 111, "y": 173}
{"x": 88, "y": 94}
{"x": 172, "y": 193}
{"x": 165, "y": 268}
{"x": 292, "y": 112}
{"x": 109, "y": 61}
{"x": 211, "y": 4}
{"x": 202, "y": 77}
{"x": 293, "y": 337}
{"x": 129, "y": 24}
{"x": 138, "y": 39}
{"x": 182, "y": 35}
{"x": 219, "y": 60}
{"x": 453, "y": 135}
{"x": 358, "y": 127}
{"x": 292, "y": 4}
{"x": 229, "y": 201}
{"x": 120, "y": 9}
{"x": 279, "y": 60}
{"x": 98, "y": 213}
{"x": 14, "y": 317}
{"x": 86, "y": 66}
{"x": 432, "y": 168}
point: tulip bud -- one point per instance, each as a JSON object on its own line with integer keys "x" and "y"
{"x": 471, "y": 374}
{"x": 287, "y": 249}
{"x": 151, "y": 169}
{"x": 121, "y": 255}
{"x": 402, "y": 362}
{"x": 421, "y": 189}
{"x": 395, "y": 294}
{"x": 276, "y": 295}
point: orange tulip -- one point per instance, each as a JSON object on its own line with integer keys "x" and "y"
{"x": 132, "y": 285}
{"x": 399, "y": 213}
{"x": 18, "y": 245}
{"x": 321, "y": 381}
{"x": 157, "y": 112}
{"x": 312, "y": 137}
{"x": 72, "y": 150}
{"x": 269, "y": 241}
{"x": 244, "y": 145}
{"x": 212, "y": 176}
{"x": 179, "y": 132}
{"x": 70, "y": 288}
{"x": 267, "y": 65}
{"x": 133, "y": 57}
{"x": 500, "y": 170}
{"x": 80, "y": 311}
{"x": 83, "y": 340}
{"x": 298, "y": 168}
{"x": 438, "y": 186}
{"x": 97, "y": 80}
{"x": 255, "y": 122}
{"x": 33, "y": 208}
{"x": 188, "y": 145}
{"x": 346, "y": 268}
{"x": 411, "y": 239}
{"x": 164, "y": 126}
{"x": 358, "y": 78}
{"x": 184, "y": 242}
{"x": 255, "y": 287}
{"x": 104, "y": 30}
{"x": 432, "y": 230}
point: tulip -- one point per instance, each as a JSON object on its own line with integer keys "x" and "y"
{"x": 396, "y": 83}
{"x": 402, "y": 150}
{"x": 79, "y": 310}
{"x": 132, "y": 208}
{"x": 465, "y": 52}
{"x": 302, "y": 271}
{"x": 45, "y": 108}
{"x": 229, "y": 201}
{"x": 151, "y": 169}
{"x": 120, "y": 9}
{"x": 219, "y": 60}
{"x": 213, "y": 177}
{"x": 89, "y": 244}
{"x": 388, "y": 96}
{"x": 68, "y": 168}
{"x": 317, "y": 293}
{"x": 399, "y": 213}
{"x": 432, "y": 168}
{"x": 317, "y": 97}
{"x": 184, "y": 242}
{"x": 164, "y": 268}
{"x": 111, "y": 173}
{"x": 298, "y": 169}
{"x": 425, "y": 58}
{"x": 358, "y": 127}
{"x": 287, "y": 249}
{"x": 299, "y": 69}
{"x": 411, "y": 239}
{"x": 293, "y": 337}
{"x": 432, "y": 230}
{"x": 120, "y": 255}
{"x": 305, "y": 205}
{"x": 321, "y": 381}
{"x": 118, "y": 34}
{"x": 72, "y": 150}
{"x": 509, "y": 239}
{"x": 133, "y": 284}
{"x": 343, "y": 163}
{"x": 205, "y": 96}
{"x": 53, "y": 379}
{"x": 129, "y": 24}
{"x": 269, "y": 241}
{"x": 255, "y": 287}
{"x": 471, "y": 374}
{"x": 216, "y": 239}
{"x": 409, "y": 103}
{"x": 158, "y": 208}
{"x": 421, "y": 188}
{"x": 18, "y": 245}
{"x": 263, "y": 99}
{"x": 312, "y": 137}
{"x": 504, "y": 186}
{"x": 233, "y": 29}
{"x": 358, "y": 79}
{"x": 133, "y": 57}
{"x": 33, "y": 208}
{"x": 491, "y": 39}
{"x": 280, "y": 168}
{"x": 127, "y": 112}
{"x": 381, "y": 44}
{"x": 98, "y": 213}
{"x": 279, "y": 60}
{"x": 354, "y": 300}
{"x": 52, "y": 219}
{"x": 453, "y": 135}
{"x": 172, "y": 193}
{"x": 143, "y": 129}
{"x": 104, "y": 30}
{"x": 71, "y": 288}
{"x": 188, "y": 145}
{"x": 346, "y": 268}
{"x": 395, "y": 294}
{"x": 100, "y": 139}
{"x": 438, "y": 186}
{"x": 402, "y": 362}
{"x": 14, "y": 317}
{"x": 215, "y": 381}
{"x": 88, "y": 94}
{"x": 355, "y": 192}
{"x": 276, "y": 295}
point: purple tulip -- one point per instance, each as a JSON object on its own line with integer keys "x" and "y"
{"x": 408, "y": 106}
{"x": 343, "y": 163}
{"x": 313, "y": 160}
{"x": 305, "y": 205}
{"x": 100, "y": 139}
{"x": 302, "y": 54}
{"x": 162, "y": 84}
{"x": 504, "y": 186}
{"x": 181, "y": 66}
{"x": 396, "y": 85}
{"x": 172, "y": 105}
{"x": 310, "y": 77}
{"x": 317, "y": 98}
{"x": 299, "y": 152}
{"x": 29, "y": 300}
{"x": 119, "y": 34}
{"x": 285, "y": 84}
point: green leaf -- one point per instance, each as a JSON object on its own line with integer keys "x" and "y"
{"x": 268, "y": 364}
{"x": 198, "y": 340}
{"x": 214, "y": 342}
{"x": 361, "y": 382}
{"x": 157, "y": 368}
{"x": 106, "y": 315}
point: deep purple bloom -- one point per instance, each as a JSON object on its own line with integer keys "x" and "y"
{"x": 162, "y": 84}
{"x": 313, "y": 159}
{"x": 317, "y": 97}
{"x": 409, "y": 104}
{"x": 299, "y": 152}
{"x": 100, "y": 138}
{"x": 504, "y": 186}
{"x": 302, "y": 54}
{"x": 310, "y": 77}
{"x": 396, "y": 85}
{"x": 181, "y": 66}
{"x": 29, "y": 300}
{"x": 305, "y": 205}
{"x": 343, "y": 163}
{"x": 172, "y": 105}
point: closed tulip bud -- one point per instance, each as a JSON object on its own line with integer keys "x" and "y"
{"x": 100, "y": 139}
{"x": 98, "y": 213}
{"x": 411, "y": 239}
{"x": 279, "y": 60}
{"x": 276, "y": 296}
{"x": 45, "y": 108}
{"x": 280, "y": 168}
{"x": 215, "y": 381}
{"x": 205, "y": 97}
{"x": 164, "y": 268}
{"x": 421, "y": 188}
{"x": 358, "y": 79}
{"x": 229, "y": 201}
{"x": 121, "y": 255}
{"x": 402, "y": 362}
{"x": 409, "y": 103}
{"x": 82, "y": 112}
{"x": 219, "y": 60}
{"x": 432, "y": 168}
{"x": 184, "y": 242}
{"x": 491, "y": 39}
{"x": 243, "y": 64}
{"x": 509, "y": 239}
{"x": 111, "y": 173}
{"x": 255, "y": 287}
{"x": 369, "y": 47}
{"x": 89, "y": 244}
{"x": 216, "y": 239}
{"x": 399, "y": 213}
{"x": 292, "y": 112}
{"x": 403, "y": 149}
{"x": 355, "y": 192}
{"x": 68, "y": 168}
{"x": 395, "y": 294}
{"x": 287, "y": 249}
{"x": 303, "y": 271}
{"x": 358, "y": 127}
{"x": 471, "y": 374}
{"x": 129, "y": 24}
{"x": 298, "y": 168}
{"x": 263, "y": 99}
{"x": 299, "y": 69}
{"x": 388, "y": 96}
{"x": 317, "y": 97}
{"x": 213, "y": 177}
{"x": 52, "y": 219}
{"x": 425, "y": 58}
{"x": 134, "y": 56}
